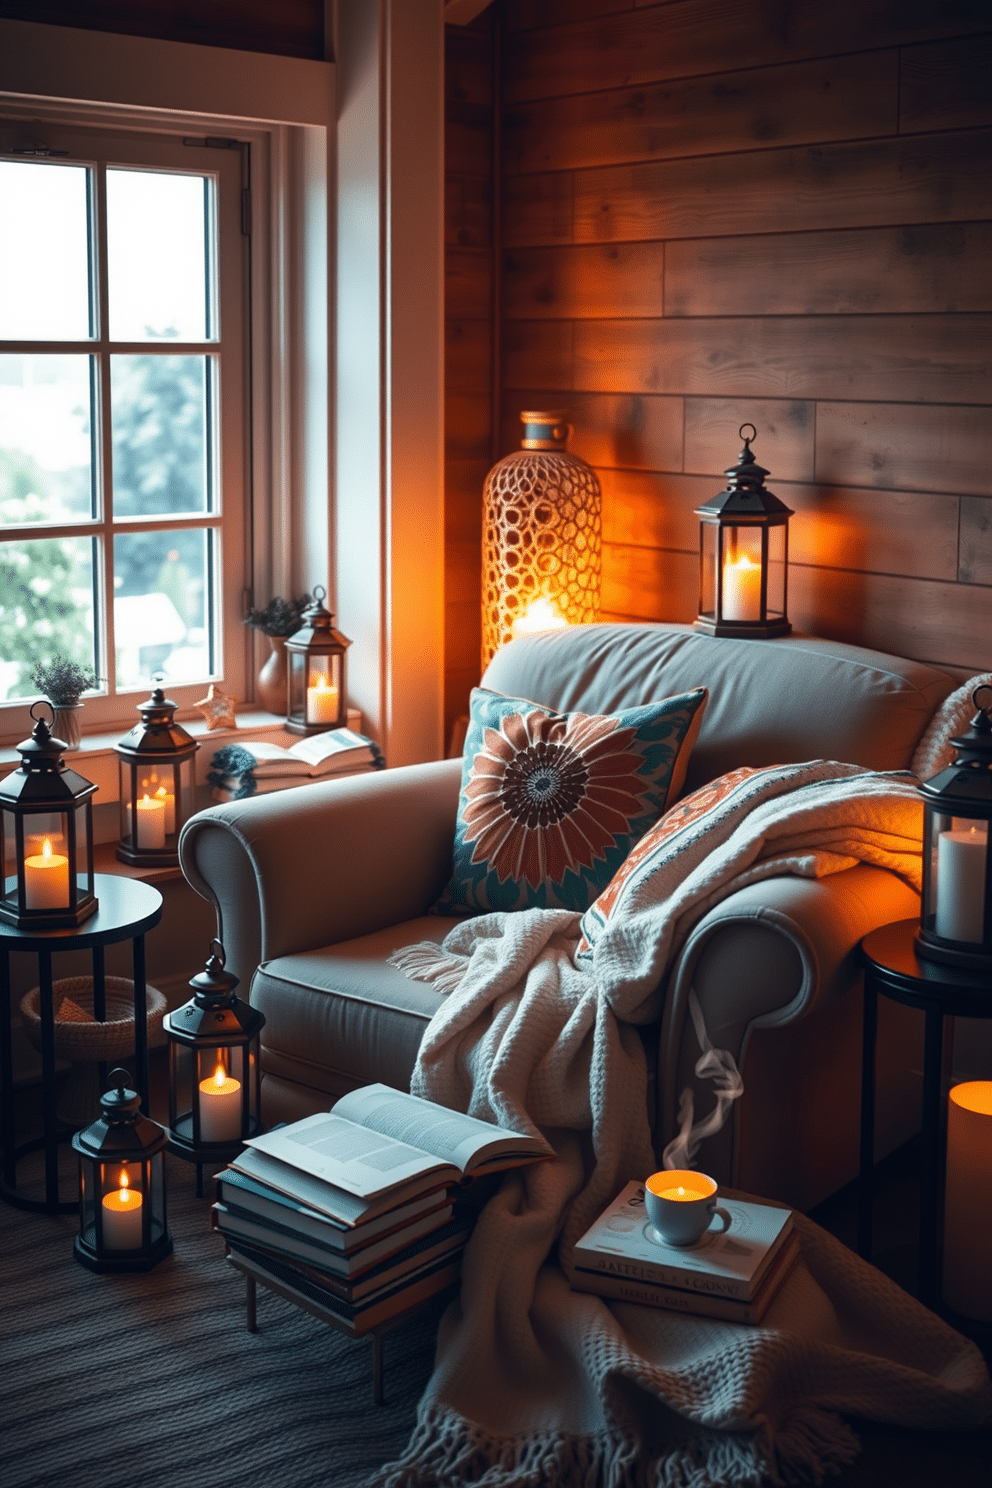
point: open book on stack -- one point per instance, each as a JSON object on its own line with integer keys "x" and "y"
{"x": 241, "y": 770}
{"x": 735, "y": 1275}
{"x": 357, "y": 1208}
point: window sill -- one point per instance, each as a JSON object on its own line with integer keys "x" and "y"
{"x": 98, "y": 761}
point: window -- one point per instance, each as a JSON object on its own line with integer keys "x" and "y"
{"x": 124, "y": 477}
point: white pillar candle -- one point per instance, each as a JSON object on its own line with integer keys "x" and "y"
{"x": 322, "y": 702}
{"x": 968, "y": 1201}
{"x": 741, "y": 589}
{"x": 46, "y": 879}
{"x": 122, "y": 1218}
{"x": 151, "y": 823}
{"x": 220, "y": 1108}
{"x": 168, "y": 798}
{"x": 961, "y": 858}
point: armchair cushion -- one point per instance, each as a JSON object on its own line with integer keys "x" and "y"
{"x": 551, "y": 803}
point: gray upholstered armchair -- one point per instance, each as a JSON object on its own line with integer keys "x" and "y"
{"x": 775, "y": 966}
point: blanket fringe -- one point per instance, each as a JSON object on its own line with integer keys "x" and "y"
{"x": 445, "y": 1451}
{"x": 428, "y": 962}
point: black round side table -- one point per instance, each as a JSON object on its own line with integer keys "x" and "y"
{"x": 893, "y": 969}
{"x": 127, "y": 909}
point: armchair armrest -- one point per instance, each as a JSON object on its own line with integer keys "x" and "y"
{"x": 777, "y": 952}
{"x": 302, "y": 868}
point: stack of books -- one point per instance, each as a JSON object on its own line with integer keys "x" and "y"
{"x": 734, "y": 1275}
{"x": 241, "y": 770}
{"x": 361, "y": 1209}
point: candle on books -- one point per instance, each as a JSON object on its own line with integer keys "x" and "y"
{"x": 46, "y": 879}
{"x": 322, "y": 700}
{"x": 968, "y": 1200}
{"x": 961, "y": 857}
{"x": 151, "y": 822}
{"x": 220, "y": 1107}
{"x": 741, "y": 589}
{"x": 122, "y": 1217}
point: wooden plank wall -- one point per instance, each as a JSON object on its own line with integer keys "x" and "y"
{"x": 469, "y": 229}
{"x": 716, "y": 211}
{"x": 290, "y": 28}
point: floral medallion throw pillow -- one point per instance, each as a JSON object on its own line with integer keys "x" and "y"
{"x": 551, "y": 803}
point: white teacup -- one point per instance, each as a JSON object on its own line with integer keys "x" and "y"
{"x": 681, "y": 1205}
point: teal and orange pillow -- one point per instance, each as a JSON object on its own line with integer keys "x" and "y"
{"x": 551, "y": 803}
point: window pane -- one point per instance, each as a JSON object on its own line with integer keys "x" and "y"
{"x": 157, "y": 255}
{"x": 44, "y": 252}
{"x": 159, "y": 407}
{"x": 46, "y": 458}
{"x": 161, "y": 606}
{"x": 46, "y": 607}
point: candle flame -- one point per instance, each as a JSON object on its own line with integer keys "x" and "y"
{"x": 146, "y": 799}
{"x": 219, "y": 1075}
{"x": 46, "y": 848}
{"x": 161, "y": 792}
{"x": 742, "y": 562}
{"x": 320, "y": 682}
{"x": 124, "y": 1193}
{"x": 542, "y": 610}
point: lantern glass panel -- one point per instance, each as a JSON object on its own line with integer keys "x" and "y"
{"x": 775, "y": 607}
{"x": 709, "y": 559}
{"x": 741, "y": 574}
{"x": 46, "y": 859}
{"x": 297, "y": 698}
{"x": 955, "y": 899}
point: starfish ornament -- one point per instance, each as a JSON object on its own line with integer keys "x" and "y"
{"x": 218, "y": 709}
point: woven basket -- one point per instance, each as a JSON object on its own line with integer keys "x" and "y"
{"x": 88, "y": 1044}
{"x": 91, "y": 1042}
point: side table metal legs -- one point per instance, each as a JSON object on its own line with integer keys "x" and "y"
{"x": 6, "y": 1077}
{"x": 931, "y": 1143}
{"x": 866, "y": 1168}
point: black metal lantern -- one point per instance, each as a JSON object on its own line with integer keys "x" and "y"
{"x": 956, "y": 914}
{"x": 214, "y": 1069}
{"x": 122, "y": 1223}
{"x": 46, "y": 837}
{"x": 157, "y": 784}
{"x": 744, "y": 554}
{"x": 316, "y": 698}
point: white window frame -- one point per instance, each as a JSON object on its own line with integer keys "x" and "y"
{"x": 282, "y": 108}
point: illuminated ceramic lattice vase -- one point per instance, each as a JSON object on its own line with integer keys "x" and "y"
{"x": 541, "y": 537}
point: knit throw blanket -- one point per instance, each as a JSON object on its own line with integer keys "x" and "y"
{"x": 535, "y": 1384}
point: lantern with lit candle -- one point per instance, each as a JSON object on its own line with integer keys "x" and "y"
{"x": 956, "y": 914}
{"x": 744, "y": 554}
{"x": 316, "y": 694}
{"x": 122, "y": 1219}
{"x": 541, "y": 537}
{"x": 46, "y": 837}
{"x": 214, "y": 1069}
{"x": 157, "y": 784}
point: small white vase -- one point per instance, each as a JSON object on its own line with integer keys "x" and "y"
{"x": 67, "y": 725}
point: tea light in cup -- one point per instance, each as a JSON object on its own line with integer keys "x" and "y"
{"x": 681, "y": 1204}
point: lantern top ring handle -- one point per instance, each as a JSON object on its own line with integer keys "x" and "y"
{"x": 983, "y": 707}
{"x": 747, "y": 437}
{"x": 42, "y": 703}
{"x": 319, "y": 593}
{"x": 217, "y": 949}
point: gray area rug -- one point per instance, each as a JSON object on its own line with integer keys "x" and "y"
{"x": 153, "y": 1381}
